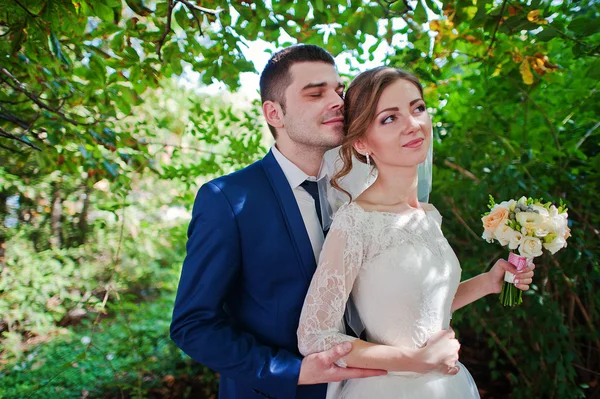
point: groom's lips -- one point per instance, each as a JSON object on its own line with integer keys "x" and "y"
{"x": 334, "y": 121}
{"x": 414, "y": 143}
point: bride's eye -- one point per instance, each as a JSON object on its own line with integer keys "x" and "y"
{"x": 388, "y": 120}
{"x": 421, "y": 108}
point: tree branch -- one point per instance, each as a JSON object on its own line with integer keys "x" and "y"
{"x": 460, "y": 218}
{"x": 11, "y": 149}
{"x": 462, "y": 171}
{"x": 27, "y": 11}
{"x": 161, "y": 41}
{"x": 496, "y": 28}
{"x": 503, "y": 347}
{"x": 4, "y": 133}
{"x": 584, "y": 138}
{"x": 191, "y": 6}
{"x": 192, "y": 9}
{"x": 21, "y": 88}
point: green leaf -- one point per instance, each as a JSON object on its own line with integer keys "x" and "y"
{"x": 398, "y": 7}
{"x": 584, "y": 26}
{"x": 56, "y": 50}
{"x": 111, "y": 168}
{"x": 18, "y": 37}
{"x": 594, "y": 70}
{"x": 103, "y": 11}
{"x": 161, "y": 9}
{"x": 118, "y": 41}
{"x": 547, "y": 34}
{"x": 369, "y": 25}
{"x": 319, "y": 5}
{"x": 182, "y": 18}
{"x": 420, "y": 13}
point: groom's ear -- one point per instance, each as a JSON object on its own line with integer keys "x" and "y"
{"x": 273, "y": 114}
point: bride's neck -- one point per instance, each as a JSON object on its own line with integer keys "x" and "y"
{"x": 398, "y": 186}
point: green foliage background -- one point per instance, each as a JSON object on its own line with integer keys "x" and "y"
{"x": 101, "y": 149}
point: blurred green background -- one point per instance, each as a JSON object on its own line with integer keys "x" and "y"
{"x": 113, "y": 113}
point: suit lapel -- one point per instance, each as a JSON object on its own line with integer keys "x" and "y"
{"x": 291, "y": 214}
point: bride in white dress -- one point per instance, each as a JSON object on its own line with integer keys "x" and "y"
{"x": 386, "y": 257}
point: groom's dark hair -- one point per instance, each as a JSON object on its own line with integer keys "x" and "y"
{"x": 275, "y": 78}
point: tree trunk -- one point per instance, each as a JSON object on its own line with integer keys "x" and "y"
{"x": 56, "y": 216}
{"x": 83, "y": 217}
{"x": 3, "y": 212}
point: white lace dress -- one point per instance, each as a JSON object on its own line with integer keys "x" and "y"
{"x": 402, "y": 276}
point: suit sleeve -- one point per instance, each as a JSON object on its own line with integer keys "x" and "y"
{"x": 201, "y": 327}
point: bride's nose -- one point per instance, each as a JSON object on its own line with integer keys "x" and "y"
{"x": 412, "y": 125}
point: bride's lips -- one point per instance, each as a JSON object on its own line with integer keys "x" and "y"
{"x": 414, "y": 143}
{"x": 334, "y": 121}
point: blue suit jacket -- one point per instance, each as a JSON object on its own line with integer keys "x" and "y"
{"x": 248, "y": 267}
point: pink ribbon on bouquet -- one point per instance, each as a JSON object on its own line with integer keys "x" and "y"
{"x": 520, "y": 262}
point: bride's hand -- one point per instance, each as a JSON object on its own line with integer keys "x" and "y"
{"x": 522, "y": 279}
{"x": 440, "y": 353}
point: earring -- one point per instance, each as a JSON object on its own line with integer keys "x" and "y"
{"x": 368, "y": 160}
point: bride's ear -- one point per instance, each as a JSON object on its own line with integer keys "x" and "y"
{"x": 360, "y": 147}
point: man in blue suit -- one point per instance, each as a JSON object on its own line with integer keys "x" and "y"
{"x": 254, "y": 240}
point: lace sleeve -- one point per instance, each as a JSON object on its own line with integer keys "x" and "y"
{"x": 321, "y": 322}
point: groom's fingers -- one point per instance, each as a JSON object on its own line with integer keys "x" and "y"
{"x": 336, "y": 353}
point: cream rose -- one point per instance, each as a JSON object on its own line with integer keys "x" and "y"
{"x": 555, "y": 245}
{"x": 503, "y": 234}
{"x": 530, "y": 247}
{"x": 515, "y": 240}
{"x": 495, "y": 218}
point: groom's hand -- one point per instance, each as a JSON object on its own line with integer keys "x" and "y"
{"x": 320, "y": 368}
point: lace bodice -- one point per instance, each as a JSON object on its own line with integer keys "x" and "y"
{"x": 398, "y": 268}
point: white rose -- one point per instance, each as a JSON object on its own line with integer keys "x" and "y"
{"x": 510, "y": 205}
{"x": 530, "y": 247}
{"x": 557, "y": 225}
{"x": 503, "y": 234}
{"x": 540, "y": 210}
{"x": 555, "y": 245}
{"x": 545, "y": 228}
{"x": 515, "y": 240}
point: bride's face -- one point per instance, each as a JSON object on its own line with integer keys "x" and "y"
{"x": 400, "y": 133}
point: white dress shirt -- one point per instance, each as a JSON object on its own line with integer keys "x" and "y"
{"x": 295, "y": 176}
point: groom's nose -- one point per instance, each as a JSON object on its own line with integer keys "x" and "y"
{"x": 335, "y": 102}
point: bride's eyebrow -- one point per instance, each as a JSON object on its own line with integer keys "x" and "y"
{"x": 396, "y": 109}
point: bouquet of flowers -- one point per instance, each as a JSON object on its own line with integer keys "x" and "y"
{"x": 527, "y": 226}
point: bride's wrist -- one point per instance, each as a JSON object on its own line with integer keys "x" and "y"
{"x": 421, "y": 362}
{"x": 489, "y": 283}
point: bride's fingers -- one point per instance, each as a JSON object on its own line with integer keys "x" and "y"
{"x": 525, "y": 274}
{"x": 521, "y": 280}
{"x": 522, "y": 287}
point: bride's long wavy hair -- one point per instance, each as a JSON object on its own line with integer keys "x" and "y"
{"x": 360, "y": 103}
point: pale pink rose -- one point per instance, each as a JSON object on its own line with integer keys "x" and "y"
{"x": 497, "y": 217}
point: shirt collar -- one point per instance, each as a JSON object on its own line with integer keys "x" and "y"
{"x": 294, "y": 175}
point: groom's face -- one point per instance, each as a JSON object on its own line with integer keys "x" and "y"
{"x": 313, "y": 105}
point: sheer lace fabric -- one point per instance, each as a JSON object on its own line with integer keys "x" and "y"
{"x": 401, "y": 275}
